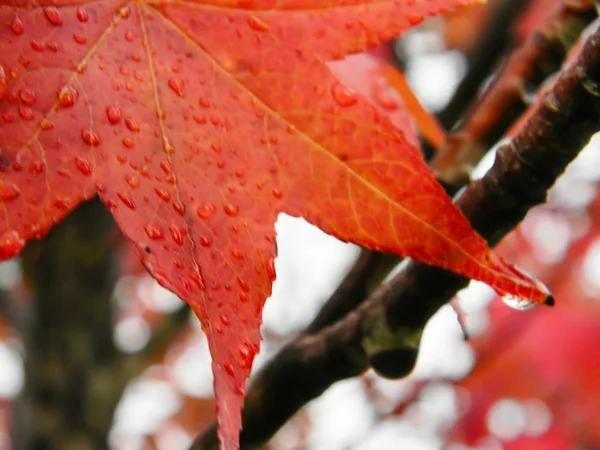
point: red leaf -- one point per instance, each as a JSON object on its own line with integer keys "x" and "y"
{"x": 197, "y": 123}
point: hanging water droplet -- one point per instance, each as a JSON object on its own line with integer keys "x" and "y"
{"x": 8, "y": 191}
{"x": 342, "y": 95}
{"x": 154, "y": 232}
{"x": 83, "y": 165}
{"x": 11, "y": 243}
{"x": 67, "y": 96}
{"x": 90, "y": 137}
{"x": 27, "y": 96}
{"x": 518, "y": 303}
{"x": 53, "y": 15}
{"x": 113, "y": 113}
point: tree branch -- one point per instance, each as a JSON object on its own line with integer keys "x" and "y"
{"x": 384, "y": 331}
{"x": 505, "y": 100}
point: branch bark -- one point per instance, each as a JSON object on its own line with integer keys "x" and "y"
{"x": 384, "y": 331}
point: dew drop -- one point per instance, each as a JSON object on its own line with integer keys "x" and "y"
{"x": 415, "y": 19}
{"x": 79, "y": 38}
{"x": 53, "y": 16}
{"x": 3, "y": 82}
{"x": 27, "y": 96}
{"x": 163, "y": 193}
{"x": 258, "y": 24}
{"x": 82, "y": 15}
{"x": 17, "y": 26}
{"x": 177, "y": 233}
{"x": 176, "y": 86}
{"x": 155, "y": 233}
{"x": 11, "y": 243}
{"x": 205, "y": 241}
{"x": 518, "y": 303}
{"x": 236, "y": 253}
{"x": 132, "y": 181}
{"x": 246, "y": 357}
{"x": 231, "y": 210}
{"x": 243, "y": 284}
{"x": 229, "y": 369}
{"x": 128, "y": 142}
{"x": 8, "y": 191}
{"x": 83, "y": 165}
{"x": 179, "y": 208}
{"x": 342, "y": 95}
{"x": 113, "y": 113}
{"x": 277, "y": 193}
{"x": 270, "y": 268}
{"x": 126, "y": 199}
{"x": 383, "y": 98}
{"x": 206, "y": 211}
{"x": 46, "y": 124}
{"x": 36, "y": 167}
{"x": 132, "y": 124}
{"x": 62, "y": 203}
{"x": 67, "y": 96}
{"x": 90, "y": 137}
{"x": 26, "y": 113}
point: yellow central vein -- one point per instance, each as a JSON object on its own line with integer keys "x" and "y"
{"x": 164, "y": 131}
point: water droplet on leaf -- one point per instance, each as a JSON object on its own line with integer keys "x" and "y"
{"x": 206, "y": 211}
{"x": 126, "y": 199}
{"x": 82, "y": 15}
{"x": 83, "y": 165}
{"x": 67, "y": 96}
{"x": 90, "y": 137}
{"x": 27, "y": 96}
{"x": 342, "y": 95}
{"x": 154, "y": 232}
{"x": 8, "y": 191}
{"x": 53, "y": 16}
{"x": 132, "y": 124}
{"x": 257, "y": 24}
{"x": 176, "y": 86}
{"x": 17, "y": 26}
{"x": 231, "y": 210}
{"x": 114, "y": 114}
{"x": 11, "y": 243}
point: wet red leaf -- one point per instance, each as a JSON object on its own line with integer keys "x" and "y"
{"x": 197, "y": 123}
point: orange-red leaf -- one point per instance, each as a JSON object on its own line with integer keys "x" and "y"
{"x": 197, "y": 123}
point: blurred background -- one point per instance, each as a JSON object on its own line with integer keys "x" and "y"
{"x": 81, "y": 319}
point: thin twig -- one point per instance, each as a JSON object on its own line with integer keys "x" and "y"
{"x": 506, "y": 98}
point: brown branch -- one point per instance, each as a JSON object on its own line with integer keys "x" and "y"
{"x": 505, "y": 100}
{"x": 384, "y": 331}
